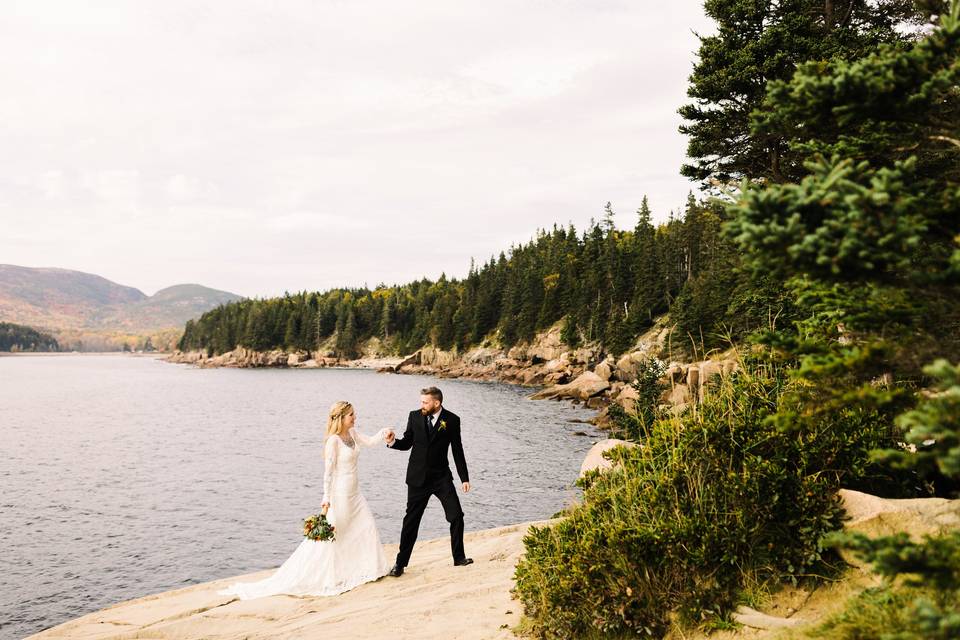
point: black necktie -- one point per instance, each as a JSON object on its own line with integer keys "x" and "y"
{"x": 430, "y": 425}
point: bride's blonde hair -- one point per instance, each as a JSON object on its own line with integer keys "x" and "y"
{"x": 338, "y": 412}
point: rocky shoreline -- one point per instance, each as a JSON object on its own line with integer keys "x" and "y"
{"x": 582, "y": 375}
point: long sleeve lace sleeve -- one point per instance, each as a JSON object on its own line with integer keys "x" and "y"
{"x": 329, "y": 465}
{"x": 368, "y": 441}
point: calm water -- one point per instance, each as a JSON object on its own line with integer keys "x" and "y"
{"x": 123, "y": 476}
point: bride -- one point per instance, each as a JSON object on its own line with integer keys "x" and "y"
{"x": 355, "y": 555}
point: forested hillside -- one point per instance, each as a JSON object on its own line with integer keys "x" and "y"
{"x": 16, "y": 337}
{"x": 606, "y": 284}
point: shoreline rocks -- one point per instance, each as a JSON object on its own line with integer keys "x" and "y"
{"x": 584, "y": 375}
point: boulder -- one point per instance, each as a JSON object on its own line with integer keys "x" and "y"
{"x": 585, "y": 385}
{"x": 756, "y": 620}
{"x": 558, "y": 377}
{"x": 434, "y": 357}
{"x": 584, "y": 355}
{"x": 709, "y": 369}
{"x": 675, "y": 373}
{"x": 410, "y": 361}
{"x": 678, "y": 395}
{"x": 625, "y": 369}
{"x": 547, "y": 346}
{"x": 517, "y": 352}
{"x": 603, "y": 370}
{"x": 532, "y": 375}
{"x": 552, "y": 366}
{"x": 296, "y": 358}
{"x": 627, "y": 398}
{"x": 594, "y": 458}
{"x": 875, "y": 516}
{"x": 693, "y": 377}
{"x": 481, "y": 355}
{"x": 596, "y": 402}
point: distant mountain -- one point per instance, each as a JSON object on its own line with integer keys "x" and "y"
{"x": 62, "y": 301}
{"x": 170, "y": 307}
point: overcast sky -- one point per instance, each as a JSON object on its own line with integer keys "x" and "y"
{"x": 259, "y": 147}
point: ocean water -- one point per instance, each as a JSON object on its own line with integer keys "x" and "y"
{"x": 122, "y": 476}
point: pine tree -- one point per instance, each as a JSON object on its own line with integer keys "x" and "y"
{"x": 866, "y": 245}
{"x": 648, "y": 281}
{"x": 757, "y": 42}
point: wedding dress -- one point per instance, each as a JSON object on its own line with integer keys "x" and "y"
{"x": 354, "y": 556}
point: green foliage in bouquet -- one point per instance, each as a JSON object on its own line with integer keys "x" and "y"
{"x": 317, "y": 528}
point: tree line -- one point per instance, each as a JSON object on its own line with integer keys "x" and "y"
{"x": 606, "y": 285}
{"x": 18, "y": 337}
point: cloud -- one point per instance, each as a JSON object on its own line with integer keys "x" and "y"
{"x": 208, "y": 132}
{"x": 314, "y": 221}
{"x": 120, "y": 186}
{"x": 184, "y": 188}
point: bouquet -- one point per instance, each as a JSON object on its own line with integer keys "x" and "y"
{"x": 317, "y": 528}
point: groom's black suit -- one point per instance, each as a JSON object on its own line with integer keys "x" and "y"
{"x": 428, "y": 473}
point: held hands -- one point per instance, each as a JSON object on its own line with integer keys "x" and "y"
{"x": 389, "y": 437}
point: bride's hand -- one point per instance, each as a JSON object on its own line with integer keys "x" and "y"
{"x": 389, "y": 436}
{"x": 324, "y": 507}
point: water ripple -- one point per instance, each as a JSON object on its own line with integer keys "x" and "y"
{"x": 126, "y": 476}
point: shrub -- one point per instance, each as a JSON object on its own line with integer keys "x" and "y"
{"x": 712, "y": 500}
{"x": 649, "y": 386}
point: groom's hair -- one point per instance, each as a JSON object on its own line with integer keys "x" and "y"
{"x": 432, "y": 391}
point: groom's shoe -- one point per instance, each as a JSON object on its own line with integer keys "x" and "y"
{"x": 463, "y": 562}
{"x": 396, "y": 571}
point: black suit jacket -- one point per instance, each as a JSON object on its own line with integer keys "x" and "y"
{"x": 429, "y": 455}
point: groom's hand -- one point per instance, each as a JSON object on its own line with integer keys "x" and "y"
{"x": 389, "y": 437}
{"x": 466, "y": 487}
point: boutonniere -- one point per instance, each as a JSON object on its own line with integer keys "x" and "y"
{"x": 443, "y": 425}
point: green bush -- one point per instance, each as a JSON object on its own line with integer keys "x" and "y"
{"x": 711, "y": 501}
{"x": 649, "y": 386}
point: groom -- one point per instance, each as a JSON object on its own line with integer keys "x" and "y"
{"x": 429, "y": 432}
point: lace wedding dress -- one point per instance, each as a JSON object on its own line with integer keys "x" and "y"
{"x": 354, "y": 556}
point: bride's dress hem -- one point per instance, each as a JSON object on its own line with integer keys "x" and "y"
{"x": 232, "y": 590}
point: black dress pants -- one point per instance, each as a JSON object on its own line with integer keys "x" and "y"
{"x": 417, "y": 499}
